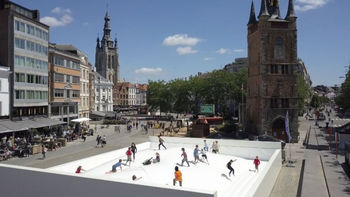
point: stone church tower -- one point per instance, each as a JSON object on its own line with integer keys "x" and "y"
{"x": 106, "y": 59}
{"x": 272, "y": 73}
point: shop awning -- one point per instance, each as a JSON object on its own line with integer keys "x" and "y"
{"x": 80, "y": 119}
{"x": 23, "y": 125}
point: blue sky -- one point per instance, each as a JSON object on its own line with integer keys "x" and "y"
{"x": 167, "y": 39}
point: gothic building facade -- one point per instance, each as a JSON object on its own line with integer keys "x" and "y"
{"x": 107, "y": 55}
{"x": 272, "y": 73}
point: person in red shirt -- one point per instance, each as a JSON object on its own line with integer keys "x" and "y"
{"x": 257, "y": 163}
{"x": 128, "y": 154}
{"x": 79, "y": 169}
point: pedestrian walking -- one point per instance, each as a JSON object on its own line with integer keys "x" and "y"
{"x": 257, "y": 163}
{"x": 204, "y": 155}
{"x": 184, "y": 159}
{"x": 133, "y": 150}
{"x": 196, "y": 154}
{"x": 161, "y": 142}
{"x": 98, "y": 140}
{"x": 43, "y": 151}
{"x": 178, "y": 176}
{"x": 228, "y": 165}
{"x": 103, "y": 141}
{"x": 128, "y": 155}
{"x": 206, "y": 148}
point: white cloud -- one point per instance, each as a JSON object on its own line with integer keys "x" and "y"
{"x": 180, "y": 39}
{"x": 62, "y": 18}
{"x": 85, "y": 24}
{"x": 185, "y": 50}
{"x": 238, "y": 50}
{"x": 207, "y": 58}
{"x": 223, "y": 51}
{"x": 305, "y": 5}
{"x": 149, "y": 71}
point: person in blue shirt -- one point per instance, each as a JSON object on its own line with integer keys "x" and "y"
{"x": 114, "y": 167}
{"x": 196, "y": 154}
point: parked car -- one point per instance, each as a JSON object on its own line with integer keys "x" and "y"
{"x": 270, "y": 138}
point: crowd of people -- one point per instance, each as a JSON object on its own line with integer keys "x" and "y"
{"x": 199, "y": 155}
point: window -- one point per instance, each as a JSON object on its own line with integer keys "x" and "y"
{"x": 55, "y": 110}
{"x": 59, "y": 77}
{"x": 284, "y": 69}
{"x": 30, "y": 94}
{"x": 76, "y": 93}
{"x": 279, "y": 48}
{"x": 68, "y": 94}
{"x": 68, "y": 79}
{"x": 19, "y": 43}
{"x": 75, "y": 65}
{"x": 75, "y": 79}
{"x": 20, "y": 94}
{"x": 285, "y": 103}
{"x": 19, "y": 26}
{"x": 20, "y": 77}
{"x": 30, "y": 79}
{"x": 44, "y": 80}
{"x": 59, "y": 93}
{"x": 72, "y": 109}
{"x": 19, "y": 60}
{"x": 58, "y": 61}
{"x": 274, "y": 69}
{"x": 274, "y": 103}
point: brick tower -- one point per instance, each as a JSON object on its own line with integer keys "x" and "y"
{"x": 272, "y": 73}
{"x": 107, "y": 55}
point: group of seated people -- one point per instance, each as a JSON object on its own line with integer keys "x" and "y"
{"x": 10, "y": 147}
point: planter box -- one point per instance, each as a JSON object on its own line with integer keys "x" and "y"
{"x": 36, "y": 149}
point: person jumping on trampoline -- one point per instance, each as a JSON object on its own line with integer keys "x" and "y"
{"x": 161, "y": 142}
{"x": 228, "y": 165}
{"x": 257, "y": 163}
{"x": 114, "y": 167}
{"x": 196, "y": 154}
{"x": 204, "y": 156}
{"x": 128, "y": 154}
{"x": 184, "y": 155}
{"x": 178, "y": 176}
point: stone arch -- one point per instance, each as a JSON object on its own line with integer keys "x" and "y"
{"x": 278, "y": 128}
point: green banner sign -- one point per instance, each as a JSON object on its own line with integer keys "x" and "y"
{"x": 207, "y": 109}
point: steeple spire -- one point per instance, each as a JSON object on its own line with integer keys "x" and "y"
{"x": 263, "y": 9}
{"x": 107, "y": 29}
{"x": 276, "y": 8}
{"x": 291, "y": 13}
{"x": 98, "y": 42}
{"x": 252, "y": 18}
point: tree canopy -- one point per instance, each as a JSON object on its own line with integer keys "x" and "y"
{"x": 343, "y": 100}
{"x": 220, "y": 88}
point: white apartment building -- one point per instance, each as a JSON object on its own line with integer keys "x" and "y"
{"x": 4, "y": 91}
{"x": 103, "y": 94}
{"x": 85, "y": 68}
{"x": 132, "y": 94}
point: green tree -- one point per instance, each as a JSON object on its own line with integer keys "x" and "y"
{"x": 304, "y": 92}
{"x": 343, "y": 100}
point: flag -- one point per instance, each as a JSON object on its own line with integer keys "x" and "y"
{"x": 287, "y": 127}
